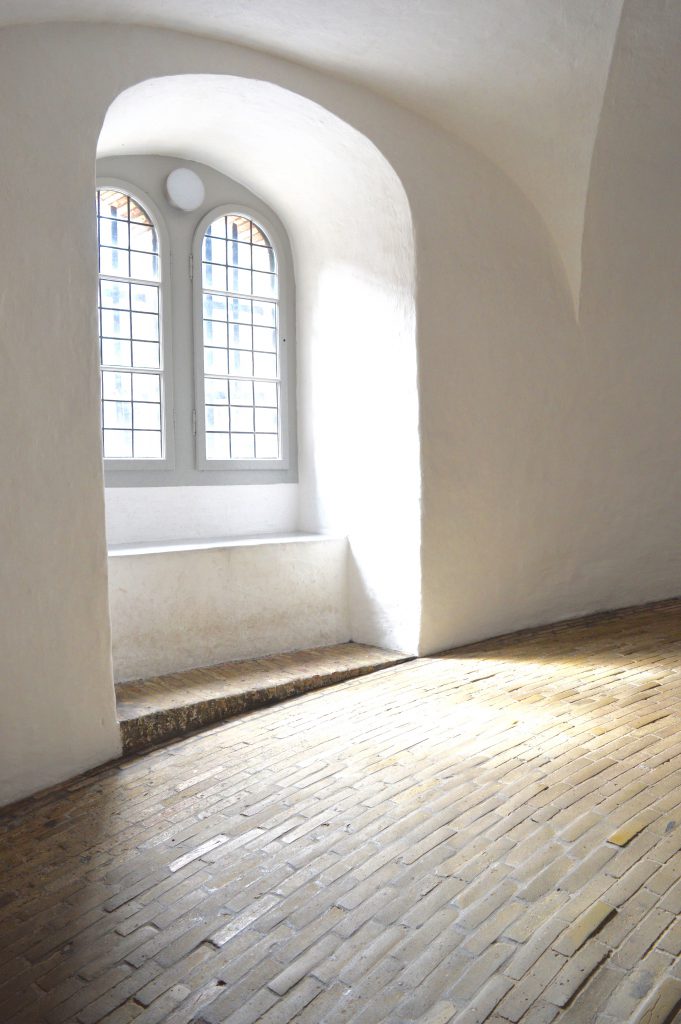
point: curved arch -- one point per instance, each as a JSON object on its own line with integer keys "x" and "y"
{"x": 349, "y": 221}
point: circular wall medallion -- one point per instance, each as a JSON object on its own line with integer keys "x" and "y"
{"x": 185, "y": 189}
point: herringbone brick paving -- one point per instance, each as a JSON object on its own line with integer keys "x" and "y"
{"x": 492, "y": 836}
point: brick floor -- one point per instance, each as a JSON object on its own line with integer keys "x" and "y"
{"x": 154, "y": 710}
{"x": 493, "y": 835}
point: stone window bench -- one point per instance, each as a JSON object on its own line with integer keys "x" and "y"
{"x": 176, "y": 605}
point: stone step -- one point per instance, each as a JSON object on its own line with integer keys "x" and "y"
{"x": 151, "y": 711}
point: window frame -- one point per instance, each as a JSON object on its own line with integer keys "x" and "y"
{"x": 285, "y": 340}
{"x": 167, "y": 462}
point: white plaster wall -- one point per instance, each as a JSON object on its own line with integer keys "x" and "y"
{"x": 56, "y": 696}
{"x": 504, "y": 472}
{"x": 181, "y": 609}
{"x": 550, "y": 446}
{"x": 631, "y": 313}
{"x": 195, "y": 513}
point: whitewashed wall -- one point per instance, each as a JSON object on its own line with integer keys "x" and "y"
{"x": 198, "y": 513}
{"x": 172, "y": 610}
{"x": 550, "y": 444}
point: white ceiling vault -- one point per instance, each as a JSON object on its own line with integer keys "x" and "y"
{"x": 520, "y": 80}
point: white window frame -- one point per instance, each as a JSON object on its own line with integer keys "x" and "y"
{"x": 285, "y": 311}
{"x": 167, "y": 462}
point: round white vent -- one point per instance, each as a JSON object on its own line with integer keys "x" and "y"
{"x": 185, "y": 189}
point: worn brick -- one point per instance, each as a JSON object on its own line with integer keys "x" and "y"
{"x": 662, "y": 1005}
{"x": 575, "y": 973}
{"x": 524, "y": 993}
{"x": 444, "y": 865}
{"x": 590, "y": 922}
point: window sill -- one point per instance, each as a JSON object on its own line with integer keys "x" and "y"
{"x": 207, "y": 544}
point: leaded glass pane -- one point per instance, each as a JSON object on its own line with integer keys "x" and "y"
{"x": 216, "y": 391}
{"x": 264, "y": 339}
{"x": 239, "y": 280}
{"x": 116, "y": 385}
{"x": 238, "y": 228}
{"x": 214, "y": 276}
{"x": 265, "y": 285}
{"x": 115, "y": 352}
{"x": 217, "y": 417}
{"x": 266, "y": 446}
{"x": 241, "y": 336}
{"x": 266, "y": 421}
{"x": 144, "y": 298}
{"x": 144, "y": 265}
{"x": 217, "y": 446}
{"x": 263, "y": 260}
{"x": 117, "y": 414}
{"x": 114, "y": 261}
{"x": 147, "y": 415}
{"x": 218, "y": 229}
{"x": 146, "y": 355}
{"x": 147, "y": 444}
{"x": 240, "y": 392}
{"x": 240, "y": 363}
{"x": 243, "y": 446}
{"x": 145, "y": 326}
{"x": 115, "y": 323}
{"x": 215, "y": 361}
{"x": 266, "y": 395}
{"x": 143, "y": 237}
{"x": 114, "y": 294}
{"x": 117, "y": 444}
{"x": 146, "y": 387}
{"x": 265, "y": 365}
{"x": 242, "y": 419}
{"x": 215, "y": 333}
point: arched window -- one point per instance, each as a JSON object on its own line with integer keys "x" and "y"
{"x": 241, "y": 356}
{"x": 130, "y": 338}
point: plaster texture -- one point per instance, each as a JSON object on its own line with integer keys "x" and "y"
{"x": 560, "y": 450}
{"x": 177, "y": 610}
{"x": 198, "y": 513}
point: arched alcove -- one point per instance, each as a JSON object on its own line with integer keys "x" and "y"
{"x": 349, "y": 223}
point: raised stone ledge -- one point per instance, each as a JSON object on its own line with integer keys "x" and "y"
{"x": 151, "y": 711}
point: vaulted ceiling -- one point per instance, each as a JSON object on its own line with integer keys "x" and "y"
{"x": 520, "y": 80}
